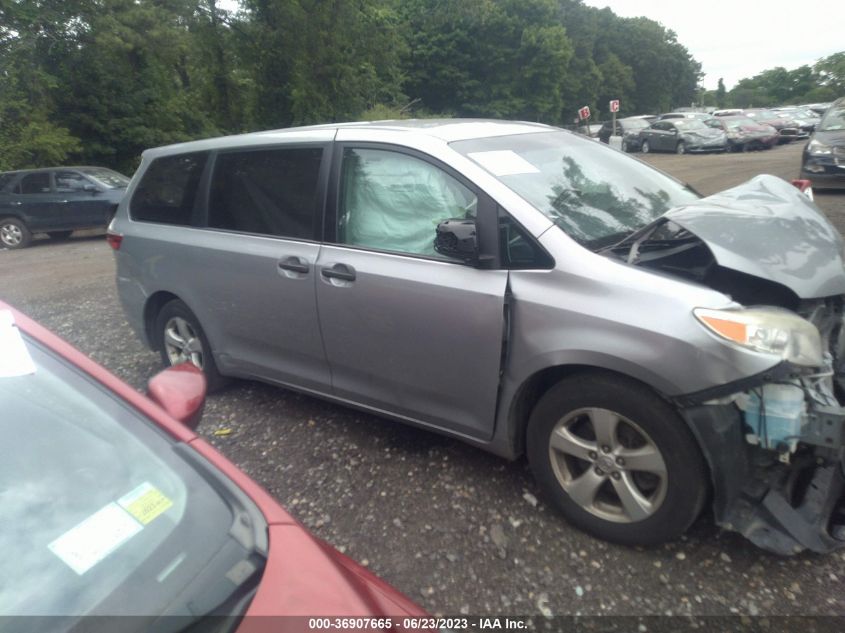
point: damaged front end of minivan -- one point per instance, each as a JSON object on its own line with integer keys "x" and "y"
{"x": 775, "y": 442}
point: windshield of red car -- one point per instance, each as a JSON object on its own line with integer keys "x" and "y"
{"x": 101, "y": 512}
{"x": 590, "y": 191}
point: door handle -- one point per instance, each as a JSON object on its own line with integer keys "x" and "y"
{"x": 294, "y": 265}
{"x": 339, "y": 271}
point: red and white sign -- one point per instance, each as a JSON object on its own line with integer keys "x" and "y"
{"x": 584, "y": 113}
{"x": 614, "y": 105}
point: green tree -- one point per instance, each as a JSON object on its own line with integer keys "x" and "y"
{"x": 721, "y": 94}
{"x": 830, "y": 71}
{"x": 314, "y": 61}
{"x": 29, "y": 33}
{"x": 505, "y": 59}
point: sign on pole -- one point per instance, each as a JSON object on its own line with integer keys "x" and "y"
{"x": 584, "y": 113}
{"x": 614, "y": 105}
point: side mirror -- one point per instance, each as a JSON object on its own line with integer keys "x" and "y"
{"x": 180, "y": 390}
{"x": 457, "y": 238}
{"x": 90, "y": 188}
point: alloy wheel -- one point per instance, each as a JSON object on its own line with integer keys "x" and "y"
{"x": 182, "y": 342}
{"x": 608, "y": 465}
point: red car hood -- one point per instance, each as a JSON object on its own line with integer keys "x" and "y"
{"x": 307, "y": 577}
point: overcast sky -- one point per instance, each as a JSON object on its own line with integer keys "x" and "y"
{"x": 737, "y": 39}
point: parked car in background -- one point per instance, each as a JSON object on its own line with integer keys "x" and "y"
{"x": 56, "y": 201}
{"x": 788, "y": 130}
{"x": 818, "y": 108}
{"x": 806, "y": 120}
{"x": 823, "y": 160}
{"x": 111, "y": 505}
{"x": 523, "y": 289}
{"x": 682, "y": 136}
{"x": 701, "y": 116}
{"x": 628, "y": 128}
{"x": 743, "y": 133}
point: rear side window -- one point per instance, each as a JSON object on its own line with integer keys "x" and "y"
{"x": 168, "y": 189}
{"x": 267, "y": 191}
{"x": 70, "y": 182}
{"x": 35, "y": 183}
{"x": 5, "y": 179}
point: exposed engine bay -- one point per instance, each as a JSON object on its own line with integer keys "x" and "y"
{"x": 775, "y": 442}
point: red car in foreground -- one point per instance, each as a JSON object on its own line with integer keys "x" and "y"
{"x": 111, "y": 505}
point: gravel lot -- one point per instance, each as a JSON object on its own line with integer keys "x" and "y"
{"x": 458, "y": 530}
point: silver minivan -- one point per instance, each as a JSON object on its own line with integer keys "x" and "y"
{"x": 526, "y": 290}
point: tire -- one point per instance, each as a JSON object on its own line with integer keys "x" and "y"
{"x": 14, "y": 234}
{"x": 681, "y": 148}
{"x": 645, "y": 148}
{"x": 59, "y": 235}
{"x": 180, "y": 338}
{"x": 624, "y": 147}
{"x": 581, "y": 476}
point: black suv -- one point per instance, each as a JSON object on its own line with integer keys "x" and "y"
{"x": 56, "y": 201}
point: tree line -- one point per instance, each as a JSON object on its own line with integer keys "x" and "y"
{"x": 99, "y": 81}
{"x": 822, "y": 82}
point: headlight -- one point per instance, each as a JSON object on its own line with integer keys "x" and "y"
{"x": 768, "y": 330}
{"x": 818, "y": 149}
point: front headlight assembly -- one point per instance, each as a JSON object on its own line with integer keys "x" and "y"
{"x": 767, "y": 330}
{"x": 817, "y": 148}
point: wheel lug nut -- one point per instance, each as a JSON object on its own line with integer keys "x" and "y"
{"x": 615, "y": 475}
{"x": 599, "y": 471}
{"x": 605, "y": 449}
{"x": 592, "y": 454}
{"x": 620, "y": 461}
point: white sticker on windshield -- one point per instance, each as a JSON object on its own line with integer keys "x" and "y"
{"x": 503, "y": 163}
{"x": 14, "y": 357}
{"x": 96, "y": 537}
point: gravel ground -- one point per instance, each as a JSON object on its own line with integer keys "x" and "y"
{"x": 458, "y": 530}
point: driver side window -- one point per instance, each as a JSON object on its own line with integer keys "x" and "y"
{"x": 393, "y": 202}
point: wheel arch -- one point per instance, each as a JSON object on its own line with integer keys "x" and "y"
{"x": 152, "y": 307}
{"x": 535, "y": 386}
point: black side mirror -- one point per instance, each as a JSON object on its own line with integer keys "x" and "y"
{"x": 457, "y": 238}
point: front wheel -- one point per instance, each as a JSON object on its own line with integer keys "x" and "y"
{"x": 616, "y": 460}
{"x": 681, "y": 148}
{"x": 14, "y": 233}
{"x": 180, "y": 339}
{"x": 646, "y": 148}
{"x": 625, "y": 147}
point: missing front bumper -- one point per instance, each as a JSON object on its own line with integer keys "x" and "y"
{"x": 781, "y": 507}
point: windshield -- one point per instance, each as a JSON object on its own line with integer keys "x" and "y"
{"x": 762, "y": 115}
{"x": 106, "y": 177}
{"x": 102, "y": 514}
{"x": 735, "y": 124}
{"x": 591, "y": 192}
{"x": 634, "y": 124}
{"x": 834, "y": 119}
{"x": 688, "y": 125}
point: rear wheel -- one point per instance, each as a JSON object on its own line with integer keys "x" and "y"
{"x": 616, "y": 460}
{"x": 14, "y": 233}
{"x": 646, "y": 148}
{"x": 180, "y": 339}
{"x": 625, "y": 146}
